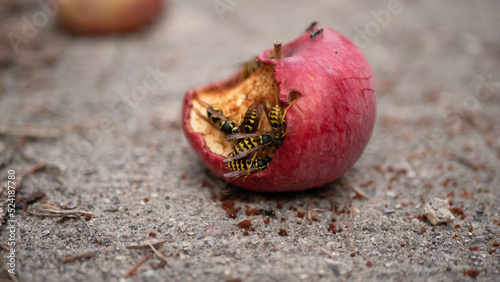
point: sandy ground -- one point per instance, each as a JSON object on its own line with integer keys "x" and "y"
{"x": 125, "y": 160}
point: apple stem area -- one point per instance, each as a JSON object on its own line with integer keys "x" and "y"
{"x": 234, "y": 100}
{"x": 277, "y": 50}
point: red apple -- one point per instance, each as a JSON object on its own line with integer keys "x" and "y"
{"x": 93, "y": 17}
{"x": 329, "y": 125}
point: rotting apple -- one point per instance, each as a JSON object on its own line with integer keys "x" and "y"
{"x": 98, "y": 17}
{"x": 328, "y": 125}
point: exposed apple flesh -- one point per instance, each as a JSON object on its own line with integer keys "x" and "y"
{"x": 234, "y": 102}
{"x": 328, "y": 126}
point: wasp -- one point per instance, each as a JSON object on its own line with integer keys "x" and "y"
{"x": 248, "y": 123}
{"x": 251, "y": 119}
{"x": 249, "y": 145}
{"x": 249, "y": 68}
{"x": 246, "y": 166}
{"x": 277, "y": 121}
{"x": 256, "y": 141}
{"x": 315, "y": 33}
{"x": 217, "y": 119}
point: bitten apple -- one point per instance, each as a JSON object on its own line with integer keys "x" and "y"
{"x": 95, "y": 17}
{"x": 328, "y": 125}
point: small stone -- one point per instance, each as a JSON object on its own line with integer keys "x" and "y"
{"x": 335, "y": 269}
{"x": 388, "y": 210}
{"x": 149, "y": 273}
{"x": 415, "y": 222}
{"x": 120, "y": 257}
{"x": 340, "y": 268}
{"x": 438, "y": 211}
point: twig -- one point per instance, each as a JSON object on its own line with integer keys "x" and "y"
{"x": 52, "y": 211}
{"x": 33, "y": 132}
{"x": 76, "y": 257}
{"x": 132, "y": 270}
{"x": 147, "y": 246}
{"x": 309, "y": 212}
{"x": 344, "y": 182}
{"x": 159, "y": 254}
{"x": 277, "y": 50}
{"x": 12, "y": 276}
{"x": 90, "y": 229}
{"x": 33, "y": 169}
{"x": 332, "y": 256}
{"x": 4, "y": 247}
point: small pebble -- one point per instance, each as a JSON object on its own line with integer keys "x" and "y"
{"x": 438, "y": 211}
{"x": 388, "y": 210}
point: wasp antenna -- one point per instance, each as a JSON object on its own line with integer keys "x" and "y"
{"x": 289, "y": 105}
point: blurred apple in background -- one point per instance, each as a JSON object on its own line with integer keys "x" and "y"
{"x": 96, "y": 17}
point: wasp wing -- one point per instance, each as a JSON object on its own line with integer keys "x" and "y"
{"x": 203, "y": 117}
{"x": 235, "y": 136}
{"x": 212, "y": 111}
{"x": 249, "y": 123}
{"x": 238, "y": 173}
{"x": 243, "y": 154}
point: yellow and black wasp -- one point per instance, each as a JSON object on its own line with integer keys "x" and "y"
{"x": 248, "y": 145}
{"x": 246, "y": 167}
{"x": 216, "y": 118}
{"x": 253, "y": 142}
{"x": 249, "y": 122}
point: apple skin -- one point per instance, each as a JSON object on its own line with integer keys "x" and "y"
{"x": 99, "y": 17}
{"x": 329, "y": 126}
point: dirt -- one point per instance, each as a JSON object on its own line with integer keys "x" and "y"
{"x": 104, "y": 114}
